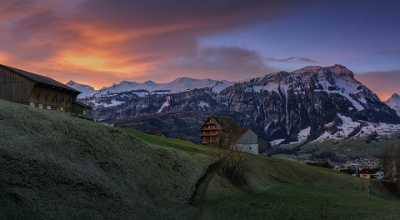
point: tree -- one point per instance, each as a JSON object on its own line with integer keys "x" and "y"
{"x": 391, "y": 164}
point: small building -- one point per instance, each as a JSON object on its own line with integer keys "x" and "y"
{"x": 367, "y": 173}
{"x": 36, "y": 90}
{"x": 225, "y": 133}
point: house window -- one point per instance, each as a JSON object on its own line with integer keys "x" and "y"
{"x": 32, "y": 104}
{"x": 62, "y": 109}
{"x": 41, "y": 106}
{"x": 48, "y": 107}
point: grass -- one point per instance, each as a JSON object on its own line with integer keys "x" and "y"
{"x": 173, "y": 143}
{"x": 283, "y": 189}
{"x": 287, "y": 201}
{"x": 58, "y": 167}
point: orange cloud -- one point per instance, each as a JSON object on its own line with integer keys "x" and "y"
{"x": 4, "y": 57}
{"x": 383, "y": 83}
{"x": 100, "y": 42}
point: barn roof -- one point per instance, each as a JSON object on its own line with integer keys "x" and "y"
{"x": 40, "y": 79}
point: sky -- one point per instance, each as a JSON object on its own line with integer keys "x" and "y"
{"x": 101, "y": 42}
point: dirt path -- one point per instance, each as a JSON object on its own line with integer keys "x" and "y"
{"x": 202, "y": 184}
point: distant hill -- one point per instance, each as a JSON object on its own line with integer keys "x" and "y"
{"x": 55, "y": 166}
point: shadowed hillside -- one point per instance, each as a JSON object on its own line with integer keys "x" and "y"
{"x": 54, "y": 166}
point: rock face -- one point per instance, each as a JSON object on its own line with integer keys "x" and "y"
{"x": 309, "y": 104}
{"x": 394, "y": 103}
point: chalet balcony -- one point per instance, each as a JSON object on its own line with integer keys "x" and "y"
{"x": 210, "y": 129}
{"x": 207, "y": 134}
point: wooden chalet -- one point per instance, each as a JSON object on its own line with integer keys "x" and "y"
{"x": 225, "y": 133}
{"x": 38, "y": 91}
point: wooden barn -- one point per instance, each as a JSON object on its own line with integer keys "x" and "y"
{"x": 37, "y": 91}
{"x": 226, "y": 133}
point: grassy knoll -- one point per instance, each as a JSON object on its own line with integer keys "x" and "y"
{"x": 54, "y": 166}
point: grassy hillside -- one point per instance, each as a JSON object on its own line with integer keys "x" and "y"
{"x": 54, "y": 166}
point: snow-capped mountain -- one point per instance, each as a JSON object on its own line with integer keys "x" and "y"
{"x": 176, "y": 86}
{"x": 312, "y": 104}
{"x": 394, "y": 103}
{"x": 86, "y": 91}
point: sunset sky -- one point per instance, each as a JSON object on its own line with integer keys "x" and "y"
{"x": 100, "y": 42}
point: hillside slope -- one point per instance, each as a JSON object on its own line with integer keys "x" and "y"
{"x": 55, "y": 166}
{"x": 58, "y": 167}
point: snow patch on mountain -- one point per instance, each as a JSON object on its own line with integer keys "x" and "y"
{"x": 178, "y": 85}
{"x": 277, "y": 142}
{"x": 204, "y": 105}
{"x": 86, "y": 91}
{"x": 358, "y": 129}
{"x": 113, "y": 103}
{"x": 166, "y": 104}
{"x": 303, "y": 135}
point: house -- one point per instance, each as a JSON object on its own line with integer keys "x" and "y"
{"x": 37, "y": 91}
{"x": 225, "y": 133}
{"x": 366, "y": 173}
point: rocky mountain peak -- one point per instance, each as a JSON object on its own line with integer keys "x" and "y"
{"x": 394, "y": 103}
{"x": 150, "y": 82}
{"x": 85, "y": 90}
{"x": 337, "y": 69}
{"x": 394, "y": 97}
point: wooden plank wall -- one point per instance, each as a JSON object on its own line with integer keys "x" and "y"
{"x": 57, "y": 100}
{"x": 14, "y": 88}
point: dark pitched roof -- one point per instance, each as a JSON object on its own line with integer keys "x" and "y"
{"x": 40, "y": 79}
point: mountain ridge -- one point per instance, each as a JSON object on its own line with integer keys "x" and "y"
{"x": 180, "y": 84}
{"x": 306, "y": 105}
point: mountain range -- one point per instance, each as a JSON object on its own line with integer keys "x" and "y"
{"x": 310, "y": 105}
{"x": 178, "y": 85}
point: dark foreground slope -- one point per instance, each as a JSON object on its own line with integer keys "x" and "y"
{"x": 57, "y": 167}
